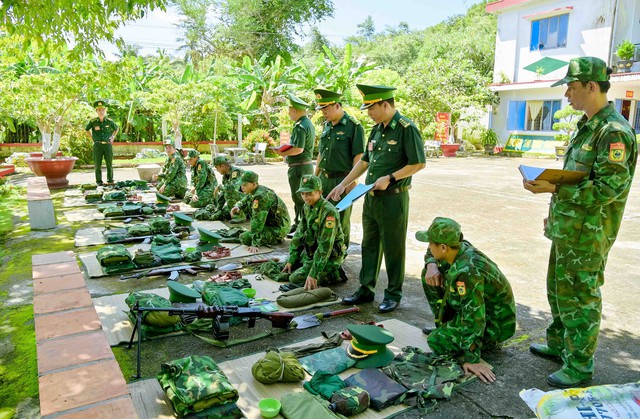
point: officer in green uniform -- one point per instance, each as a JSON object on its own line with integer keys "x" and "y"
{"x": 299, "y": 156}
{"x": 229, "y": 191}
{"x": 203, "y": 181}
{"x": 341, "y": 146}
{"x": 584, "y": 220}
{"x": 173, "y": 179}
{"x": 102, "y": 131}
{"x": 394, "y": 152}
{"x": 317, "y": 249}
{"x": 470, "y": 298}
{"x": 269, "y": 217}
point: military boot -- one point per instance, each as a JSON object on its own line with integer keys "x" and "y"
{"x": 566, "y": 378}
{"x": 544, "y": 351}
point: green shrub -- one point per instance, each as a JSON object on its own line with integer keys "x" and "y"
{"x": 260, "y": 136}
{"x": 80, "y": 147}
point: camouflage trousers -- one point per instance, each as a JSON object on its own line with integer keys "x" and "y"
{"x": 573, "y": 291}
{"x": 269, "y": 236}
{"x": 330, "y": 275}
{"x": 223, "y": 202}
{"x": 171, "y": 190}
{"x": 205, "y": 197}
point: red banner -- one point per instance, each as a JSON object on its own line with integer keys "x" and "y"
{"x": 443, "y": 122}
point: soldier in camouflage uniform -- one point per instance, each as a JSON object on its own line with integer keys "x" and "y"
{"x": 584, "y": 220}
{"x": 395, "y": 152}
{"x": 471, "y": 299}
{"x": 299, "y": 156}
{"x": 341, "y": 146}
{"x": 269, "y": 217}
{"x": 229, "y": 192}
{"x": 317, "y": 248}
{"x": 203, "y": 181}
{"x": 173, "y": 179}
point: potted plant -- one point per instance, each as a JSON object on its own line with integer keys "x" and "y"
{"x": 48, "y": 100}
{"x": 489, "y": 140}
{"x": 626, "y": 52}
{"x": 567, "y": 123}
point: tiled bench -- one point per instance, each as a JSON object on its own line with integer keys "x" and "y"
{"x": 40, "y": 205}
{"x": 78, "y": 374}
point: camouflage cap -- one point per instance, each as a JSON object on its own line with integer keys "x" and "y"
{"x": 182, "y": 219}
{"x": 325, "y": 98}
{"x": 179, "y": 293}
{"x": 193, "y": 154}
{"x": 249, "y": 176}
{"x": 219, "y": 160}
{"x": 374, "y": 94}
{"x": 442, "y": 230}
{"x": 297, "y": 103}
{"x": 169, "y": 141}
{"x": 369, "y": 346}
{"x": 584, "y": 69}
{"x": 100, "y": 104}
{"x": 309, "y": 183}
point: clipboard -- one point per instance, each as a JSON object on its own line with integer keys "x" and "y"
{"x": 355, "y": 193}
{"x": 555, "y": 176}
{"x": 283, "y": 147}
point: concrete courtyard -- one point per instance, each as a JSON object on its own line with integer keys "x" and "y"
{"x": 485, "y": 195}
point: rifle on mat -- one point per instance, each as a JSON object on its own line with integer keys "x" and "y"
{"x": 220, "y": 316}
{"x": 173, "y": 272}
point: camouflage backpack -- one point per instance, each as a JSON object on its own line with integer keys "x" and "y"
{"x": 349, "y": 401}
{"x": 113, "y": 254}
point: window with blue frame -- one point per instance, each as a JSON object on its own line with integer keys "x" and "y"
{"x": 549, "y": 33}
{"x": 535, "y": 116}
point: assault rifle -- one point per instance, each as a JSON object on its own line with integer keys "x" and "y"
{"x": 173, "y": 272}
{"x": 220, "y": 315}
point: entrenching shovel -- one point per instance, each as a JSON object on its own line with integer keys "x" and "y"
{"x": 312, "y": 320}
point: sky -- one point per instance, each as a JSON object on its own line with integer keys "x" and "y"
{"x": 158, "y": 29}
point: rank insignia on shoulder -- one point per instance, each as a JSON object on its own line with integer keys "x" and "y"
{"x": 392, "y": 142}
{"x": 340, "y": 133}
{"x": 405, "y": 122}
{"x": 256, "y": 203}
{"x": 331, "y": 221}
{"x": 616, "y": 152}
{"x": 462, "y": 290}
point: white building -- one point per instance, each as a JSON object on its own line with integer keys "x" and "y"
{"x": 534, "y": 43}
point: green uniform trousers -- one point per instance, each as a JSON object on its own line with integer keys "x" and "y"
{"x": 345, "y": 216}
{"x": 573, "y": 291}
{"x": 295, "y": 174}
{"x": 103, "y": 151}
{"x": 384, "y": 225}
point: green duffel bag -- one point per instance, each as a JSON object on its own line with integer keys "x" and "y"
{"x": 160, "y": 225}
{"x": 138, "y": 230}
{"x": 112, "y": 211}
{"x": 152, "y": 318}
{"x": 115, "y": 235}
{"x": 113, "y": 254}
{"x": 132, "y": 208}
{"x": 278, "y": 367}
{"x": 114, "y": 196}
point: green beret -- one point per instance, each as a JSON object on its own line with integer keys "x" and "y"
{"x": 219, "y": 160}
{"x": 162, "y": 199}
{"x": 297, "y": 103}
{"x": 585, "y": 69}
{"x": 100, "y": 104}
{"x": 374, "y": 94}
{"x": 249, "y": 176}
{"x": 442, "y": 231}
{"x": 369, "y": 346}
{"x": 310, "y": 183}
{"x": 182, "y": 219}
{"x": 179, "y": 293}
{"x": 325, "y": 98}
{"x": 193, "y": 154}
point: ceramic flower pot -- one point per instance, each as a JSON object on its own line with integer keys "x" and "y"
{"x": 55, "y": 170}
{"x": 449, "y": 150}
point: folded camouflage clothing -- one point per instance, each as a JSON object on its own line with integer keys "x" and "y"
{"x": 145, "y": 259}
{"x": 138, "y": 230}
{"x": 132, "y": 208}
{"x": 302, "y": 405}
{"x": 221, "y": 295}
{"x": 192, "y": 255}
{"x": 114, "y": 196}
{"x": 349, "y": 401}
{"x": 195, "y": 383}
{"x": 152, "y": 318}
{"x": 113, "y": 254}
{"x": 168, "y": 253}
{"x": 160, "y": 225}
{"x": 324, "y": 384}
{"x": 278, "y": 367}
{"x": 119, "y": 268}
{"x": 112, "y": 211}
{"x": 383, "y": 391}
{"x": 114, "y": 235}
{"x": 169, "y": 239}
{"x": 88, "y": 186}
{"x": 92, "y": 196}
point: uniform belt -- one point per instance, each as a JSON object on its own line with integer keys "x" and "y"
{"x": 102, "y": 142}
{"x": 304, "y": 163}
{"x": 391, "y": 191}
{"x": 331, "y": 175}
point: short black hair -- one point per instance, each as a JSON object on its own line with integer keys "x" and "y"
{"x": 604, "y": 85}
